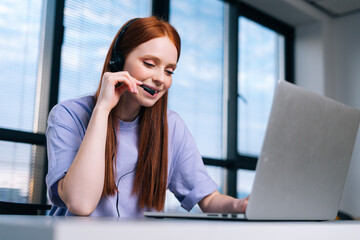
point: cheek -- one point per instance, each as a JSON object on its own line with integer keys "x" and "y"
{"x": 138, "y": 72}
{"x": 168, "y": 83}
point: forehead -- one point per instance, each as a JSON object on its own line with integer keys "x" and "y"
{"x": 162, "y": 48}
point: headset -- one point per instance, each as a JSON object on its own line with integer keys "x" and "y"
{"x": 117, "y": 185}
{"x": 117, "y": 192}
{"x": 117, "y": 58}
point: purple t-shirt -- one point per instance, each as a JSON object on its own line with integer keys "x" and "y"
{"x": 187, "y": 176}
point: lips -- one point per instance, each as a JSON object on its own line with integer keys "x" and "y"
{"x": 150, "y": 90}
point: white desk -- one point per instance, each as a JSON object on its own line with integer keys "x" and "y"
{"x": 78, "y": 228}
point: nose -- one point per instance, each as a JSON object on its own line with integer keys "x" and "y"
{"x": 159, "y": 76}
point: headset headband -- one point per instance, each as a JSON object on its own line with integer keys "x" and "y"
{"x": 117, "y": 58}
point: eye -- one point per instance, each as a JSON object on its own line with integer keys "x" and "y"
{"x": 168, "y": 72}
{"x": 148, "y": 64}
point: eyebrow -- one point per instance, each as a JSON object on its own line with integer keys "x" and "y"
{"x": 172, "y": 65}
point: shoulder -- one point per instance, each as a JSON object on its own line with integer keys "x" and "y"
{"x": 79, "y": 109}
{"x": 176, "y": 124}
{"x": 178, "y": 132}
{"x": 174, "y": 119}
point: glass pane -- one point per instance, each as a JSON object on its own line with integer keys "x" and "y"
{"x": 245, "y": 181}
{"x": 15, "y": 171}
{"x": 196, "y": 92}
{"x": 173, "y": 205}
{"x": 19, "y": 51}
{"x": 259, "y": 54}
{"x": 90, "y": 27}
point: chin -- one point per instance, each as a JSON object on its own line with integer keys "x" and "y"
{"x": 147, "y": 103}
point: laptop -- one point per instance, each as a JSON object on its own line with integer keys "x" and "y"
{"x": 304, "y": 160}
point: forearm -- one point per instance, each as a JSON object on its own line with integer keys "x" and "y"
{"x": 82, "y": 186}
{"x": 220, "y": 203}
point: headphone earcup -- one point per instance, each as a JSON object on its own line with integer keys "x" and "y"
{"x": 117, "y": 62}
{"x": 118, "y": 59}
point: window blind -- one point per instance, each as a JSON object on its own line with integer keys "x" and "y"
{"x": 90, "y": 27}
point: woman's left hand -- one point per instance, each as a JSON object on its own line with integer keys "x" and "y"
{"x": 220, "y": 203}
{"x": 241, "y": 204}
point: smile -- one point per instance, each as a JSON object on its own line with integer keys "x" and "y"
{"x": 149, "y": 90}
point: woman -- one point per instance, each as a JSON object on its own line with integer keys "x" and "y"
{"x": 116, "y": 153}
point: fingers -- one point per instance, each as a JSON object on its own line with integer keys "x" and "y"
{"x": 132, "y": 83}
{"x": 122, "y": 80}
{"x": 245, "y": 202}
{"x": 110, "y": 93}
{"x": 241, "y": 204}
{"x": 127, "y": 80}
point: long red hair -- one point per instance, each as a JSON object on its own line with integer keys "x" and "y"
{"x": 151, "y": 172}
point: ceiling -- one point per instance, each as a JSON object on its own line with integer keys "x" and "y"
{"x": 336, "y": 8}
{"x": 282, "y": 10}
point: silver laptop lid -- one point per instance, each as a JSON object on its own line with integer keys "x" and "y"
{"x": 305, "y": 157}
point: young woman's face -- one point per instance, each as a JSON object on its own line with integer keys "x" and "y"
{"x": 153, "y": 63}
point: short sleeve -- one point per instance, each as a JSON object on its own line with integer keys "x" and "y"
{"x": 189, "y": 180}
{"x": 66, "y": 128}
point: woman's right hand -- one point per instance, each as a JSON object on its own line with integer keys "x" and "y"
{"x": 110, "y": 94}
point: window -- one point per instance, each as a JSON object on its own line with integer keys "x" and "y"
{"x": 20, "y": 23}
{"x": 259, "y": 69}
{"x": 245, "y": 181}
{"x": 196, "y": 91}
{"x": 19, "y": 50}
{"x": 264, "y": 57}
{"x": 90, "y": 27}
{"x": 17, "y": 171}
{"x": 198, "y": 84}
{"x": 197, "y": 87}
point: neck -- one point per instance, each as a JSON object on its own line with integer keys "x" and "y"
{"x": 127, "y": 109}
